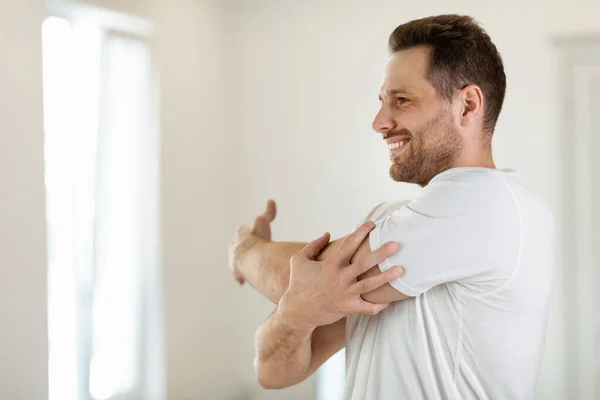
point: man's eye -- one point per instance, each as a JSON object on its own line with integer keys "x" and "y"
{"x": 401, "y": 100}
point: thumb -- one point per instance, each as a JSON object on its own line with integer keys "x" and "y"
{"x": 271, "y": 211}
{"x": 314, "y": 248}
{"x": 371, "y": 308}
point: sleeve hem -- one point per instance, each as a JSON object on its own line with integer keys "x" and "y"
{"x": 398, "y": 284}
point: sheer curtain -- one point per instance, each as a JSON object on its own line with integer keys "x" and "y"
{"x": 102, "y": 189}
{"x": 119, "y": 270}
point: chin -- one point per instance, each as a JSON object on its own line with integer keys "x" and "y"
{"x": 405, "y": 175}
{"x": 398, "y": 174}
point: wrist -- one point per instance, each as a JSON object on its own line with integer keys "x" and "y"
{"x": 253, "y": 242}
{"x": 293, "y": 321}
{"x": 252, "y": 251}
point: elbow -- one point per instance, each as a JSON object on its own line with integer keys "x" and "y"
{"x": 268, "y": 383}
{"x": 264, "y": 378}
{"x": 267, "y": 377}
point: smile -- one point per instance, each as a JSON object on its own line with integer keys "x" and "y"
{"x": 398, "y": 147}
{"x": 394, "y": 146}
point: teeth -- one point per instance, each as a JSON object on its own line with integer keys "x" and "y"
{"x": 393, "y": 146}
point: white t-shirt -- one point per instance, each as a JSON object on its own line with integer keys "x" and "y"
{"x": 477, "y": 246}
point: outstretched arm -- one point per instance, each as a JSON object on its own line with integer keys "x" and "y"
{"x": 265, "y": 265}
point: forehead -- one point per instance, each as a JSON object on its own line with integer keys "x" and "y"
{"x": 407, "y": 70}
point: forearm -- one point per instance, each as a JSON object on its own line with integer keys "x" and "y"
{"x": 283, "y": 354}
{"x": 266, "y": 265}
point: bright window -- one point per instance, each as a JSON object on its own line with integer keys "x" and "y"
{"x": 101, "y": 152}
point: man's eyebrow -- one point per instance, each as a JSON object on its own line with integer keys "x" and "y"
{"x": 400, "y": 90}
{"x": 393, "y": 92}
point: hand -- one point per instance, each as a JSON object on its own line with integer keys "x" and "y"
{"x": 245, "y": 238}
{"x": 321, "y": 293}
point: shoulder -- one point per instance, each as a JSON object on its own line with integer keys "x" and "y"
{"x": 383, "y": 210}
{"x": 464, "y": 191}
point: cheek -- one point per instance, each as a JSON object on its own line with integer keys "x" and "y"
{"x": 415, "y": 117}
{"x": 410, "y": 120}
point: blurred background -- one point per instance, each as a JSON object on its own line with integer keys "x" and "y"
{"x": 136, "y": 135}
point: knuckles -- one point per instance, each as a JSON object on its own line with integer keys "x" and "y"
{"x": 356, "y": 240}
{"x": 372, "y": 311}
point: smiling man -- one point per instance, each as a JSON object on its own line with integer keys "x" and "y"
{"x": 466, "y": 318}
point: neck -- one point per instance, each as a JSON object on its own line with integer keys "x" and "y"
{"x": 475, "y": 163}
{"x": 472, "y": 157}
{"x": 476, "y": 156}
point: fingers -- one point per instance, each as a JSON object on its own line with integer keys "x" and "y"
{"x": 373, "y": 258}
{"x": 262, "y": 223}
{"x": 353, "y": 242}
{"x": 365, "y": 307}
{"x": 313, "y": 249}
{"x": 271, "y": 211}
{"x": 369, "y": 284}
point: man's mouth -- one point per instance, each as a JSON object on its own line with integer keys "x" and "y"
{"x": 397, "y": 146}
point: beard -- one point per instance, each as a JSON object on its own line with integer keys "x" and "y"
{"x": 433, "y": 149}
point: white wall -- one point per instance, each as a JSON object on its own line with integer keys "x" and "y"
{"x": 576, "y": 17}
{"x": 23, "y": 332}
{"x": 308, "y": 75}
{"x": 199, "y": 199}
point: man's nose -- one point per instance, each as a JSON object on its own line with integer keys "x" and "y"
{"x": 384, "y": 121}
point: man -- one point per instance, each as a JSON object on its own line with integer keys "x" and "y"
{"x": 466, "y": 318}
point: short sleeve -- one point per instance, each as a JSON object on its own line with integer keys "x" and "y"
{"x": 382, "y": 210}
{"x": 462, "y": 229}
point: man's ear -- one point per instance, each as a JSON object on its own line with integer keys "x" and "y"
{"x": 471, "y": 103}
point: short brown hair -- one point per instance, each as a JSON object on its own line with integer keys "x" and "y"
{"x": 462, "y": 54}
